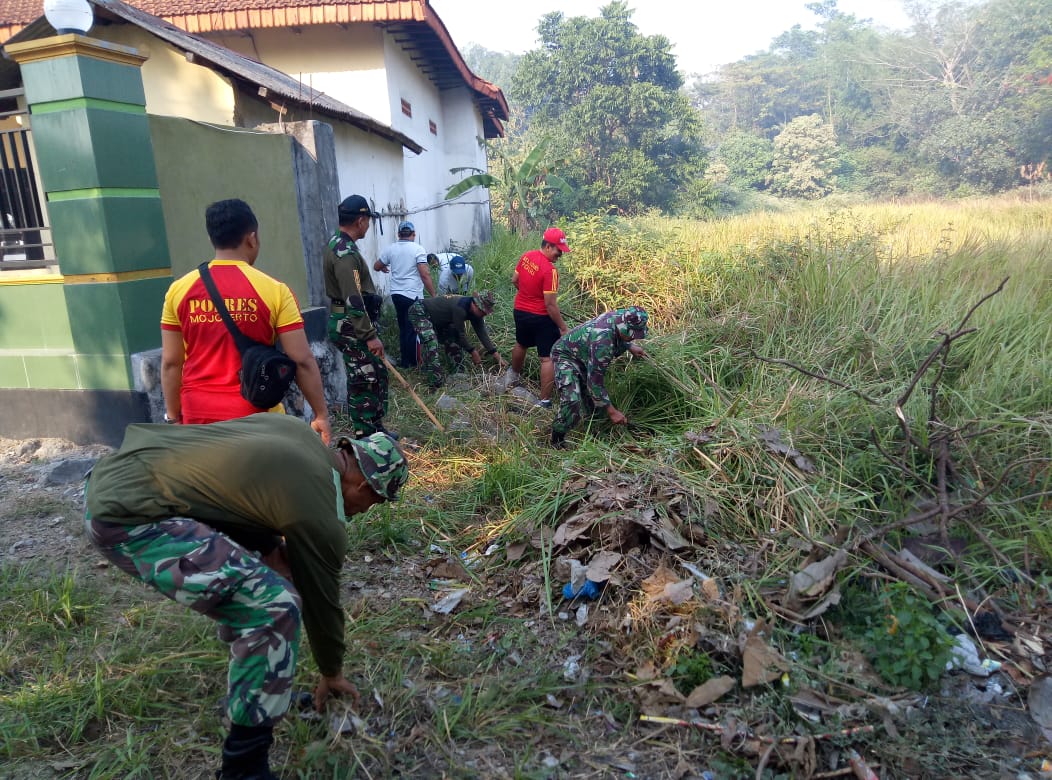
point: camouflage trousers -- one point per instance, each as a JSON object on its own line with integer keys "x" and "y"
{"x": 367, "y": 381}
{"x": 431, "y": 357}
{"x": 258, "y": 611}
{"x": 574, "y": 401}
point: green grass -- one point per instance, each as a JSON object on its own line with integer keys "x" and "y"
{"x": 102, "y": 679}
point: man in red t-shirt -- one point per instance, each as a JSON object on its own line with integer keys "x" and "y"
{"x": 199, "y": 359}
{"x": 538, "y": 321}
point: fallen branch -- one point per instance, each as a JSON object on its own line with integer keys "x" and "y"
{"x": 813, "y": 375}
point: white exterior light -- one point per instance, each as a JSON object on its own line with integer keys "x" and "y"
{"x": 69, "y": 16}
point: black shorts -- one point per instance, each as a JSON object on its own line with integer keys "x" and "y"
{"x": 536, "y": 330}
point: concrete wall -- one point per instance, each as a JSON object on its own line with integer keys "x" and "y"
{"x": 198, "y": 164}
{"x": 174, "y": 87}
{"x": 346, "y": 63}
{"x": 460, "y": 134}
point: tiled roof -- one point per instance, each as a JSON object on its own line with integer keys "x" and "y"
{"x": 262, "y": 78}
{"x": 421, "y": 26}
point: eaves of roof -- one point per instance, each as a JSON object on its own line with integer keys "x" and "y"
{"x": 261, "y": 78}
{"x": 413, "y": 22}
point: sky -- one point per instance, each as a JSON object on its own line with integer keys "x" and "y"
{"x": 704, "y": 33}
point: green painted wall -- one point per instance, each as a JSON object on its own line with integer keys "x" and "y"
{"x": 198, "y": 164}
{"x": 33, "y": 316}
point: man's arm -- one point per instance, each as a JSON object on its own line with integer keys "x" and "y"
{"x": 308, "y": 376}
{"x": 356, "y": 323}
{"x": 515, "y": 278}
{"x": 551, "y": 303}
{"x": 425, "y": 275}
{"x": 173, "y": 355}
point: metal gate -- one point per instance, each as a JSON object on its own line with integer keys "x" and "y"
{"x": 24, "y": 233}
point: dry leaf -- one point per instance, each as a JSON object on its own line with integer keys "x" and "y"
{"x": 709, "y": 691}
{"x": 574, "y": 528}
{"x": 664, "y": 585}
{"x": 600, "y": 565}
{"x": 515, "y": 551}
{"x": 760, "y": 663}
{"x": 815, "y": 578}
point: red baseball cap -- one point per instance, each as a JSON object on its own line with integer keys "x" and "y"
{"x": 558, "y": 238}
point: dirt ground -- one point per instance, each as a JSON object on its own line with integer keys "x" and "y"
{"x": 971, "y": 728}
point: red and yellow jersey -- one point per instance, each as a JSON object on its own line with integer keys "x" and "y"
{"x": 260, "y": 306}
{"x": 537, "y": 277}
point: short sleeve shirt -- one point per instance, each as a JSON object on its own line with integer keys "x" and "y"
{"x": 260, "y": 306}
{"x": 537, "y": 276}
{"x": 403, "y": 259}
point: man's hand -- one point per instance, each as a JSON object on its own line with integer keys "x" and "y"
{"x": 278, "y": 560}
{"x": 615, "y": 416}
{"x": 637, "y": 350}
{"x": 376, "y": 347}
{"x": 501, "y": 362}
{"x": 338, "y": 686}
{"x": 476, "y": 358}
{"x": 321, "y": 425}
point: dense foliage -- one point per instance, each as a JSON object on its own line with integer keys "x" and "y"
{"x": 960, "y": 103}
{"x": 610, "y": 100}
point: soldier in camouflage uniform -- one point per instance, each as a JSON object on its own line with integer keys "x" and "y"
{"x": 243, "y": 521}
{"x": 441, "y": 321}
{"x": 581, "y": 359}
{"x": 353, "y": 311}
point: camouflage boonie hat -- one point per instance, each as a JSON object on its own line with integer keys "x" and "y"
{"x": 632, "y": 323}
{"x": 485, "y": 300}
{"x": 381, "y": 461}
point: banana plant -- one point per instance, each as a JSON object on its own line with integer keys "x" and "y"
{"x": 520, "y": 187}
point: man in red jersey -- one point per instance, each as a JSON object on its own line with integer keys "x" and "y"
{"x": 199, "y": 359}
{"x": 538, "y": 321}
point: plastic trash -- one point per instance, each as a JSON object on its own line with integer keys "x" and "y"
{"x": 589, "y": 590}
{"x": 965, "y": 655}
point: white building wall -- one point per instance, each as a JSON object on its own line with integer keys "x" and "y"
{"x": 365, "y": 68}
{"x": 468, "y": 215}
{"x": 372, "y": 167}
{"x": 347, "y": 64}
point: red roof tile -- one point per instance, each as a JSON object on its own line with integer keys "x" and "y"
{"x": 204, "y": 16}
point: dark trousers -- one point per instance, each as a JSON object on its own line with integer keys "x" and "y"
{"x": 406, "y": 333}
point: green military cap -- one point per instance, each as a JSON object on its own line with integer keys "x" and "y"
{"x": 485, "y": 300}
{"x": 632, "y": 322}
{"x": 381, "y": 461}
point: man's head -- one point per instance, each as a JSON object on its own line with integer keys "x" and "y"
{"x": 432, "y": 260}
{"x": 354, "y": 214}
{"x": 457, "y": 265}
{"x": 374, "y": 470}
{"x": 482, "y": 303}
{"x": 553, "y": 244}
{"x": 406, "y": 231}
{"x": 631, "y": 323}
{"x": 232, "y": 227}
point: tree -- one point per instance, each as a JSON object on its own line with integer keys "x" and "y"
{"x": 520, "y": 188}
{"x": 496, "y": 67}
{"x": 610, "y": 100}
{"x": 805, "y": 156}
{"x": 748, "y": 159}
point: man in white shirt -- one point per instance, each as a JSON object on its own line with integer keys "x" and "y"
{"x": 406, "y": 261}
{"x": 456, "y": 278}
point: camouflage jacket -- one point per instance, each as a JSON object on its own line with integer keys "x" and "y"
{"x": 347, "y": 279}
{"x": 591, "y": 347}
